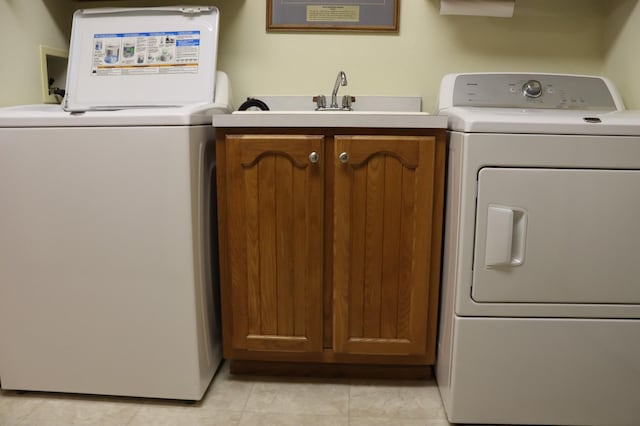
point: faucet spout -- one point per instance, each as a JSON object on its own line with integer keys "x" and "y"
{"x": 341, "y": 80}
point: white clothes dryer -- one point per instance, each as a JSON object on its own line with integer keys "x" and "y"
{"x": 108, "y": 279}
{"x": 540, "y": 308}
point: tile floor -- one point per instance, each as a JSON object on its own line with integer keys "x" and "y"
{"x": 243, "y": 400}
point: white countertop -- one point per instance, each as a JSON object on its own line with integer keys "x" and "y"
{"x": 365, "y": 119}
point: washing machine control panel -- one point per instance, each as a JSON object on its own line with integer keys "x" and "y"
{"x": 549, "y": 91}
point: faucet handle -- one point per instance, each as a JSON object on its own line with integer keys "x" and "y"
{"x": 321, "y": 101}
{"x": 347, "y": 100}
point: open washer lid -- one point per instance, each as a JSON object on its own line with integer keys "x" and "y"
{"x": 142, "y": 57}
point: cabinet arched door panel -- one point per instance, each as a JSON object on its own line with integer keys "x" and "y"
{"x": 274, "y": 197}
{"x": 384, "y": 201}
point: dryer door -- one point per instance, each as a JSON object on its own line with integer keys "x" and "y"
{"x": 557, "y": 236}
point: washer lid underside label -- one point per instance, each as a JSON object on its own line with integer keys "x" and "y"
{"x": 166, "y": 52}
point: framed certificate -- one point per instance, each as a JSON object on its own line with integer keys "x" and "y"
{"x": 332, "y": 15}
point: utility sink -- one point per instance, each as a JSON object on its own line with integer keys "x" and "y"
{"x": 361, "y": 104}
{"x": 329, "y": 112}
{"x": 367, "y": 112}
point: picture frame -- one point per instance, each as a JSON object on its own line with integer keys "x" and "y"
{"x": 333, "y": 15}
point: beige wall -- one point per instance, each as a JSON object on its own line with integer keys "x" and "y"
{"x": 622, "y": 62}
{"x": 24, "y": 26}
{"x": 544, "y": 35}
{"x": 553, "y": 36}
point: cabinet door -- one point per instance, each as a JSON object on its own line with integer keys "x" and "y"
{"x": 274, "y": 198}
{"x": 386, "y": 197}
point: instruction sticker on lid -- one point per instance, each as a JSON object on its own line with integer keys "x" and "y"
{"x": 166, "y": 52}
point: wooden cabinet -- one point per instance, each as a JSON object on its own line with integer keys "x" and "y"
{"x": 274, "y": 240}
{"x": 383, "y": 218}
{"x": 330, "y": 244}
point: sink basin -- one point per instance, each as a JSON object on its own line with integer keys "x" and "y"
{"x": 363, "y": 104}
{"x": 368, "y": 112}
{"x": 313, "y": 112}
{"x": 331, "y": 119}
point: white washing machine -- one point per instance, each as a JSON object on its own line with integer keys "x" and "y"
{"x": 540, "y": 309}
{"x": 108, "y": 282}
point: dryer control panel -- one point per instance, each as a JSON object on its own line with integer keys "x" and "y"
{"x": 522, "y": 90}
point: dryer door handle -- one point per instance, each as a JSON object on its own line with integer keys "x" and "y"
{"x": 506, "y": 235}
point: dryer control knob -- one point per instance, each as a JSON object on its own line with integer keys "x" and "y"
{"x": 532, "y": 89}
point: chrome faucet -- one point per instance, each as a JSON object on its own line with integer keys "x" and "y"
{"x": 341, "y": 80}
{"x": 347, "y": 101}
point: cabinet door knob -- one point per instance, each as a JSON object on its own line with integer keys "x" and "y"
{"x": 343, "y": 157}
{"x": 314, "y": 157}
